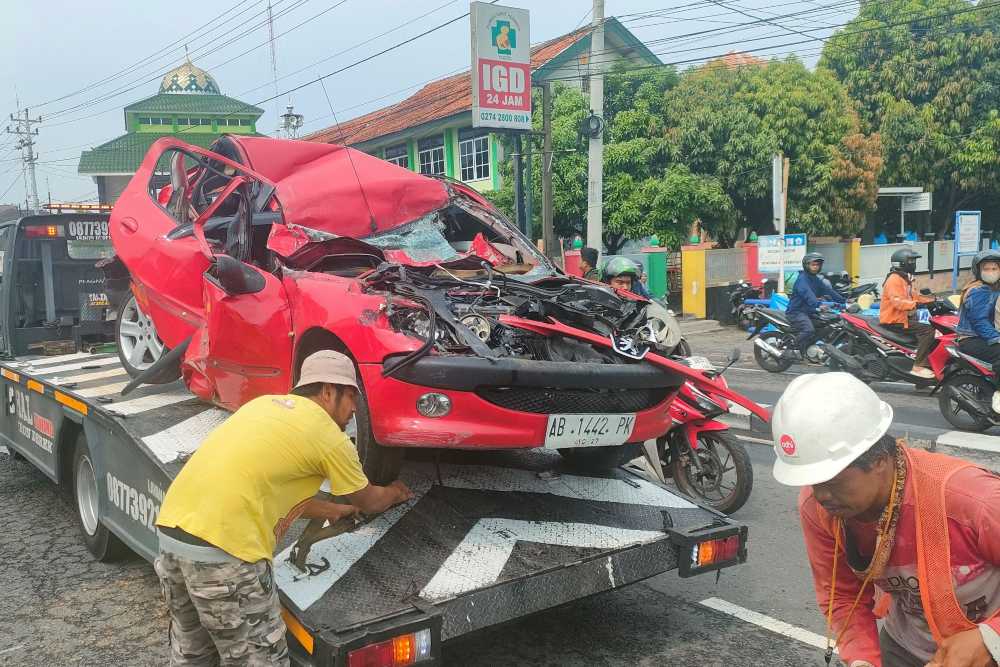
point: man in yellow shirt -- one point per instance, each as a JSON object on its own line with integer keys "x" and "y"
{"x": 217, "y": 520}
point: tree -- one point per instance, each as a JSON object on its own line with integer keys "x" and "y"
{"x": 924, "y": 75}
{"x": 727, "y": 122}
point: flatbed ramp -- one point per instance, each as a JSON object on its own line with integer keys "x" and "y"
{"x": 488, "y": 537}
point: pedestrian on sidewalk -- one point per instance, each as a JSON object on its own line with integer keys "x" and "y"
{"x": 890, "y": 530}
{"x": 217, "y": 523}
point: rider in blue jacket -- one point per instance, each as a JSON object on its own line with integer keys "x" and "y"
{"x": 810, "y": 288}
{"x": 977, "y": 329}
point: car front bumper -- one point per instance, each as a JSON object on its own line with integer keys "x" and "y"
{"x": 505, "y": 403}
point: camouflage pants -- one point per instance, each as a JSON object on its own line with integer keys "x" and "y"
{"x": 222, "y": 613}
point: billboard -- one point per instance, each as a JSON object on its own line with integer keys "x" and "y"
{"x": 501, "y": 67}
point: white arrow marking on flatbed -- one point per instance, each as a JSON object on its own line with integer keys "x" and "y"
{"x": 343, "y": 551}
{"x": 482, "y": 555}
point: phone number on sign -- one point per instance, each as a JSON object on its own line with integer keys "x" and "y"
{"x": 504, "y": 117}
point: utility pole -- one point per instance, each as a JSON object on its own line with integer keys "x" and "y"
{"x": 291, "y": 122}
{"x": 595, "y": 154}
{"x": 26, "y": 144}
{"x": 548, "y": 231}
{"x": 274, "y": 58}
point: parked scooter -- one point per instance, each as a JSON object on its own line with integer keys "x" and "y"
{"x": 965, "y": 393}
{"x": 874, "y": 353}
{"x": 705, "y": 461}
{"x": 774, "y": 337}
{"x": 740, "y": 310}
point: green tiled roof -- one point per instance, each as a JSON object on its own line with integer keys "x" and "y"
{"x": 124, "y": 154}
{"x": 209, "y": 104}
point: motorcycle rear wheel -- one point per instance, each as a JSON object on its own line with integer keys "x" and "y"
{"x": 719, "y": 453}
{"x": 765, "y": 360}
{"x": 980, "y": 389}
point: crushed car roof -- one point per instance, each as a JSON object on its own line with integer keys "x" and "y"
{"x": 340, "y": 190}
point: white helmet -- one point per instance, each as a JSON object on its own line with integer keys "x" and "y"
{"x": 822, "y": 423}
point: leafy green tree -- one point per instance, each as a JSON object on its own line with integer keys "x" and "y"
{"x": 924, "y": 75}
{"x": 727, "y": 122}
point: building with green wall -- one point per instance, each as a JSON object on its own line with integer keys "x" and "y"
{"x": 431, "y": 131}
{"x": 189, "y": 106}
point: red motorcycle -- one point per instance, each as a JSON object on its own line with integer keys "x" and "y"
{"x": 705, "y": 461}
{"x": 874, "y": 353}
{"x": 965, "y": 392}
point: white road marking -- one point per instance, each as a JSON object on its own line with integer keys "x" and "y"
{"x": 481, "y": 556}
{"x": 345, "y": 550}
{"x": 88, "y": 377}
{"x": 977, "y": 441}
{"x": 766, "y": 622}
{"x": 151, "y": 402}
{"x": 185, "y": 437}
{"x": 49, "y": 370}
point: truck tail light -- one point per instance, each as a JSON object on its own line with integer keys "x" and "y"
{"x": 44, "y": 231}
{"x": 722, "y": 550}
{"x": 401, "y": 650}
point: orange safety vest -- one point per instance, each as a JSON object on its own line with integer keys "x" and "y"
{"x": 929, "y": 474}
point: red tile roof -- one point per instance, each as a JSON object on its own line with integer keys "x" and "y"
{"x": 438, "y": 99}
{"x": 735, "y": 59}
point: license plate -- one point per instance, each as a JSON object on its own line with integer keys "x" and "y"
{"x": 593, "y": 430}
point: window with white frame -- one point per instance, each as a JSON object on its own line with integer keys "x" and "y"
{"x": 431, "y": 156}
{"x": 475, "y": 155}
{"x": 398, "y": 155}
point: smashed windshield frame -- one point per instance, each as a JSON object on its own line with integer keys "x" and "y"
{"x": 426, "y": 239}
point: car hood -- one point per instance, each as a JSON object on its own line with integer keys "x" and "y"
{"x": 313, "y": 179}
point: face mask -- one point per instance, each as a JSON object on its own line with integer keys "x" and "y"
{"x": 991, "y": 277}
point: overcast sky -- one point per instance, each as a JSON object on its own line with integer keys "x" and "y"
{"x": 78, "y": 63}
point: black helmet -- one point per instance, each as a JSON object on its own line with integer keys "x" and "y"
{"x": 812, "y": 257}
{"x": 984, "y": 256}
{"x": 905, "y": 259}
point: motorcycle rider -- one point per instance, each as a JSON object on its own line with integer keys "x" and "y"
{"x": 899, "y": 308}
{"x": 622, "y": 273}
{"x": 804, "y": 303}
{"x": 977, "y": 331}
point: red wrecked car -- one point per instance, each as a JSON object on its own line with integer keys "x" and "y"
{"x": 244, "y": 259}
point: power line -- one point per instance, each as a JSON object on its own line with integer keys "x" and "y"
{"x": 12, "y": 184}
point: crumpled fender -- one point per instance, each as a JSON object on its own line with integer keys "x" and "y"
{"x": 690, "y": 374}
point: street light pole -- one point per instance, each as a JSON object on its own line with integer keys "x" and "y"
{"x": 595, "y": 153}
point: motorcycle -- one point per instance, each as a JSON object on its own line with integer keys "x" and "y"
{"x": 965, "y": 392}
{"x": 774, "y": 336}
{"x": 874, "y": 353}
{"x": 704, "y": 460}
{"x": 841, "y": 282}
{"x": 740, "y": 310}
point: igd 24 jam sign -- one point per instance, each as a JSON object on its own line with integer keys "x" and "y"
{"x": 501, "y": 67}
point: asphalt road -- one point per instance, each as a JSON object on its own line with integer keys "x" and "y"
{"x": 59, "y": 607}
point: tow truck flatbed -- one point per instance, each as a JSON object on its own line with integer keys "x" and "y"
{"x": 489, "y": 536}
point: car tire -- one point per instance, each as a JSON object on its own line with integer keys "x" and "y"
{"x": 100, "y": 542}
{"x": 139, "y": 346}
{"x": 381, "y": 464}
{"x": 599, "y": 459}
{"x": 682, "y": 349}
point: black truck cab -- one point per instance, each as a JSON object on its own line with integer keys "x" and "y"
{"x": 50, "y": 289}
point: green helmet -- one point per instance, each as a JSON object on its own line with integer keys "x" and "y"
{"x": 621, "y": 266}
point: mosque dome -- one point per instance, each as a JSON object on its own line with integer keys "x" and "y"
{"x": 189, "y": 80}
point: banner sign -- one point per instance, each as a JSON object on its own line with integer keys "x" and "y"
{"x": 769, "y": 249}
{"x": 501, "y": 67}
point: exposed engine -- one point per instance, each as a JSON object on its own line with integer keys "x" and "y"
{"x": 462, "y": 311}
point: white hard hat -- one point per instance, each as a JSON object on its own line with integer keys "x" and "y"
{"x": 822, "y": 423}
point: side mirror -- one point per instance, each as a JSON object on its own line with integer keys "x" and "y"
{"x": 235, "y": 277}
{"x": 926, "y": 291}
{"x": 734, "y": 355}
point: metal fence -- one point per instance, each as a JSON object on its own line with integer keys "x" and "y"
{"x": 875, "y": 259}
{"x": 724, "y": 266}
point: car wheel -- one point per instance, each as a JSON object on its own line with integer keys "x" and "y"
{"x": 683, "y": 349}
{"x": 381, "y": 464}
{"x": 100, "y": 541}
{"x": 139, "y": 346}
{"x": 599, "y": 459}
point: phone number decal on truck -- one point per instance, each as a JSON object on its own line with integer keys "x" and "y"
{"x": 132, "y": 502}
{"x": 88, "y": 230}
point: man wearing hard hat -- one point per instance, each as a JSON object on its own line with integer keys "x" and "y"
{"x": 890, "y": 531}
